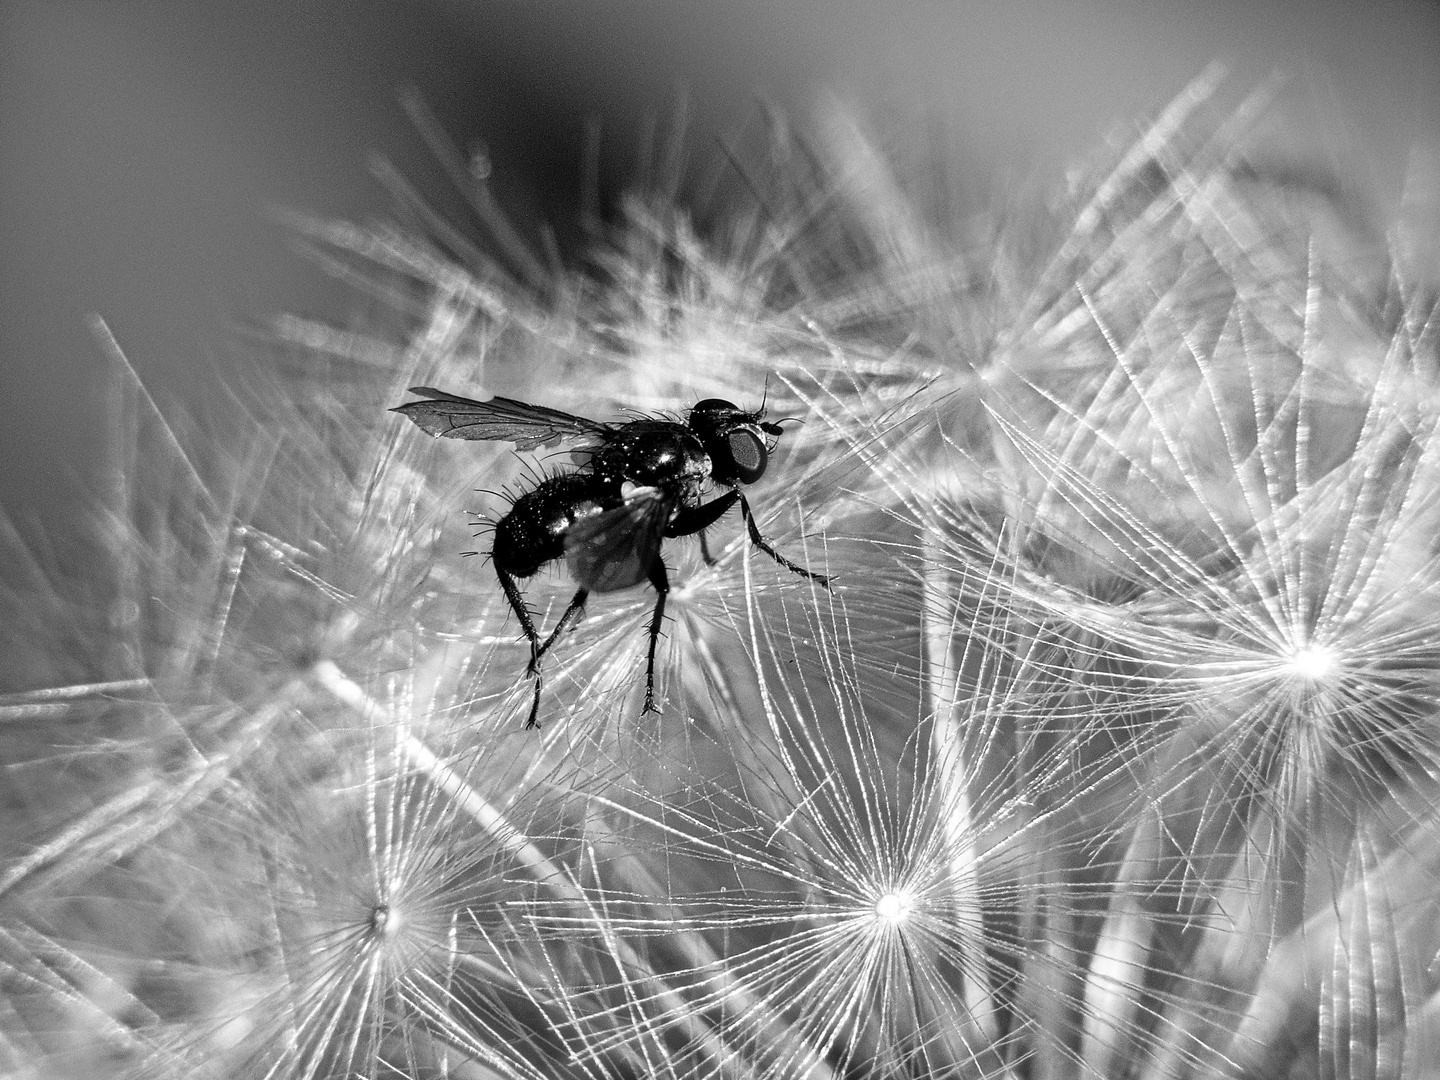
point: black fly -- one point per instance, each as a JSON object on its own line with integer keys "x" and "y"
{"x": 641, "y": 482}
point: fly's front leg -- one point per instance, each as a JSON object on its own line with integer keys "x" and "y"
{"x": 759, "y": 541}
{"x": 661, "y": 583}
{"x": 699, "y": 518}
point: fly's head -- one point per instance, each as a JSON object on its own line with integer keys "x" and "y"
{"x": 738, "y": 442}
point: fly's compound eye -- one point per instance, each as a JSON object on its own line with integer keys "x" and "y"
{"x": 748, "y": 453}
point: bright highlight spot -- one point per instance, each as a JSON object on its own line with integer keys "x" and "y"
{"x": 1313, "y": 662}
{"x": 384, "y": 921}
{"x": 893, "y": 907}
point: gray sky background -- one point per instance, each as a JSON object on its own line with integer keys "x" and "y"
{"x": 141, "y": 142}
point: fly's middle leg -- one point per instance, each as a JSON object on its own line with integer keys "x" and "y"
{"x": 661, "y": 583}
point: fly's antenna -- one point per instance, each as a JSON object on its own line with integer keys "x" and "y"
{"x": 772, "y": 427}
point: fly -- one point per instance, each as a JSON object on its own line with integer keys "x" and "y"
{"x": 641, "y": 482}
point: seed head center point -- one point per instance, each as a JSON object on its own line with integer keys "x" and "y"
{"x": 893, "y": 907}
{"x": 1313, "y": 662}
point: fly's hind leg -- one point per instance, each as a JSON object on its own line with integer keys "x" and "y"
{"x": 577, "y": 603}
{"x": 517, "y": 605}
{"x": 577, "y": 606}
{"x": 661, "y": 582}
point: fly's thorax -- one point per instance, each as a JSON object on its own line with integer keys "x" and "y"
{"x": 655, "y": 453}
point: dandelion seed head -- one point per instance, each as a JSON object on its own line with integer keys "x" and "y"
{"x": 385, "y": 922}
{"x": 1314, "y": 663}
{"x": 894, "y": 907}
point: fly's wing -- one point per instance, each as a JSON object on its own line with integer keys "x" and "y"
{"x": 615, "y": 549}
{"x": 499, "y": 419}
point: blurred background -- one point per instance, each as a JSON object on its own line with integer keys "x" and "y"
{"x": 142, "y": 144}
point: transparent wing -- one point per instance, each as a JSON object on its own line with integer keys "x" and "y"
{"x": 616, "y": 548}
{"x": 499, "y": 419}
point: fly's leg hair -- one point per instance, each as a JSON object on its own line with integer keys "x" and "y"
{"x": 759, "y": 541}
{"x": 573, "y": 612}
{"x": 661, "y": 583}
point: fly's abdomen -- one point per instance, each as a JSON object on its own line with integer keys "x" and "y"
{"x": 533, "y": 532}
